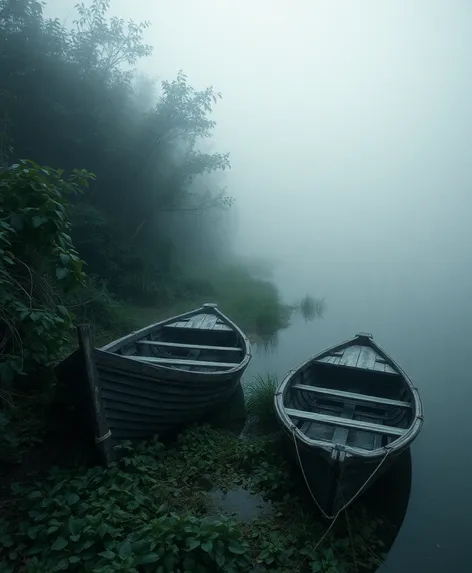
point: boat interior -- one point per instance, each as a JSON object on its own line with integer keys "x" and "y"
{"x": 365, "y": 408}
{"x": 200, "y": 342}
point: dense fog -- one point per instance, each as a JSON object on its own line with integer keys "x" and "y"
{"x": 346, "y": 123}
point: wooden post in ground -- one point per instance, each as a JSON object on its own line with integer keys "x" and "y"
{"x": 102, "y": 431}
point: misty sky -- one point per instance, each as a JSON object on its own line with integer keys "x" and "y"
{"x": 348, "y": 122}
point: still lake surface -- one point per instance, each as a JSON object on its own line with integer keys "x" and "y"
{"x": 421, "y": 314}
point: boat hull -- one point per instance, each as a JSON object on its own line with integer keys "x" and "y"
{"x": 142, "y": 400}
{"x": 334, "y": 483}
{"x": 153, "y": 381}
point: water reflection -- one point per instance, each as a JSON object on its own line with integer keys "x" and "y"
{"x": 267, "y": 344}
{"x": 388, "y": 500}
{"x": 311, "y": 307}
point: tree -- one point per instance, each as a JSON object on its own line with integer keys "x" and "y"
{"x": 71, "y": 96}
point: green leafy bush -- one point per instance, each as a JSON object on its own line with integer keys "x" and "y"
{"x": 38, "y": 263}
{"x": 115, "y": 520}
{"x": 140, "y": 515}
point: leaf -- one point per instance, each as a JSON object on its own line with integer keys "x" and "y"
{"x": 220, "y": 559}
{"x": 316, "y": 566}
{"x": 125, "y": 550}
{"x": 236, "y": 547}
{"x": 64, "y": 259}
{"x": 207, "y": 546}
{"x": 63, "y": 565}
{"x": 264, "y": 554}
{"x": 52, "y": 529}
{"x": 149, "y": 558}
{"x": 74, "y": 559}
{"x": 59, "y": 544}
{"x": 107, "y": 554}
{"x": 72, "y": 498}
{"x": 38, "y": 220}
{"x": 192, "y": 543}
{"x": 102, "y": 529}
{"x": 61, "y": 273}
{"x": 329, "y": 554}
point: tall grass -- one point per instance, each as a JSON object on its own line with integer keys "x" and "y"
{"x": 260, "y": 392}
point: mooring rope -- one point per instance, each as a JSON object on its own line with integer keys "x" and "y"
{"x": 335, "y": 516}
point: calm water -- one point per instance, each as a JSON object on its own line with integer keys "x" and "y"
{"x": 421, "y": 314}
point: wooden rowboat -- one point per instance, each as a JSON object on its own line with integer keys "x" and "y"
{"x": 161, "y": 377}
{"x": 349, "y": 413}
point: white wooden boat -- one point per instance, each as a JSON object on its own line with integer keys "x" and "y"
{"x": 349, "y": 413}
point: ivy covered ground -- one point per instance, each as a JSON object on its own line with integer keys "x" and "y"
{"x": 149, "y": 513}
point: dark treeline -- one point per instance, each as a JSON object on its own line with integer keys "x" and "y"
{"x": 154, "y": 224}
{"x": 112, "y": 208}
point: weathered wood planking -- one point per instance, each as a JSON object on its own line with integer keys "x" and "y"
{"x": 329, "y": 359}
{"x": 220, "y": 326}
{"x": 340, "y": 433}
{"x": 183, "y": 362}
{"x": 209, "y": 322}
{"x": 329, "y": 392}
{"x": 366, "y": 358}
{"x": 198, "y": 320}
{"x": 333, "y": 357}
{"x": 201, "y": 321}
{"x": 350, "y": 356}
{"x": 337, "y": 421}
{"x": 188, "y": 346}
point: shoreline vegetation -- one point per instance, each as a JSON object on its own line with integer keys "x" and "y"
{"x": 167, "y": 508}
{"x": 254, "y": 304}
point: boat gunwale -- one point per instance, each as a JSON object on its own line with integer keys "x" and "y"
{"x": 398, "y": 444}
{"x": 206, "y": 308}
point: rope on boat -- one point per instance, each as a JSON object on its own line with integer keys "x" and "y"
{"x": 334, "y": 517}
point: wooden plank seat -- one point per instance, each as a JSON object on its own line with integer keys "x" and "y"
{"x": 342, "y": 395}
{"x": 341, "y": 433}
{"x": 183, "y": 362}
{"x": 345, "y": 422}
{"x": 188, "y": 346}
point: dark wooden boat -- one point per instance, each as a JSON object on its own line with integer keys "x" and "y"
{"x": 161, "y": 377}
{"x": 349, "y": 413}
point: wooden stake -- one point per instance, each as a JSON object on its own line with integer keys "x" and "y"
{"x": 102, "y": 431}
